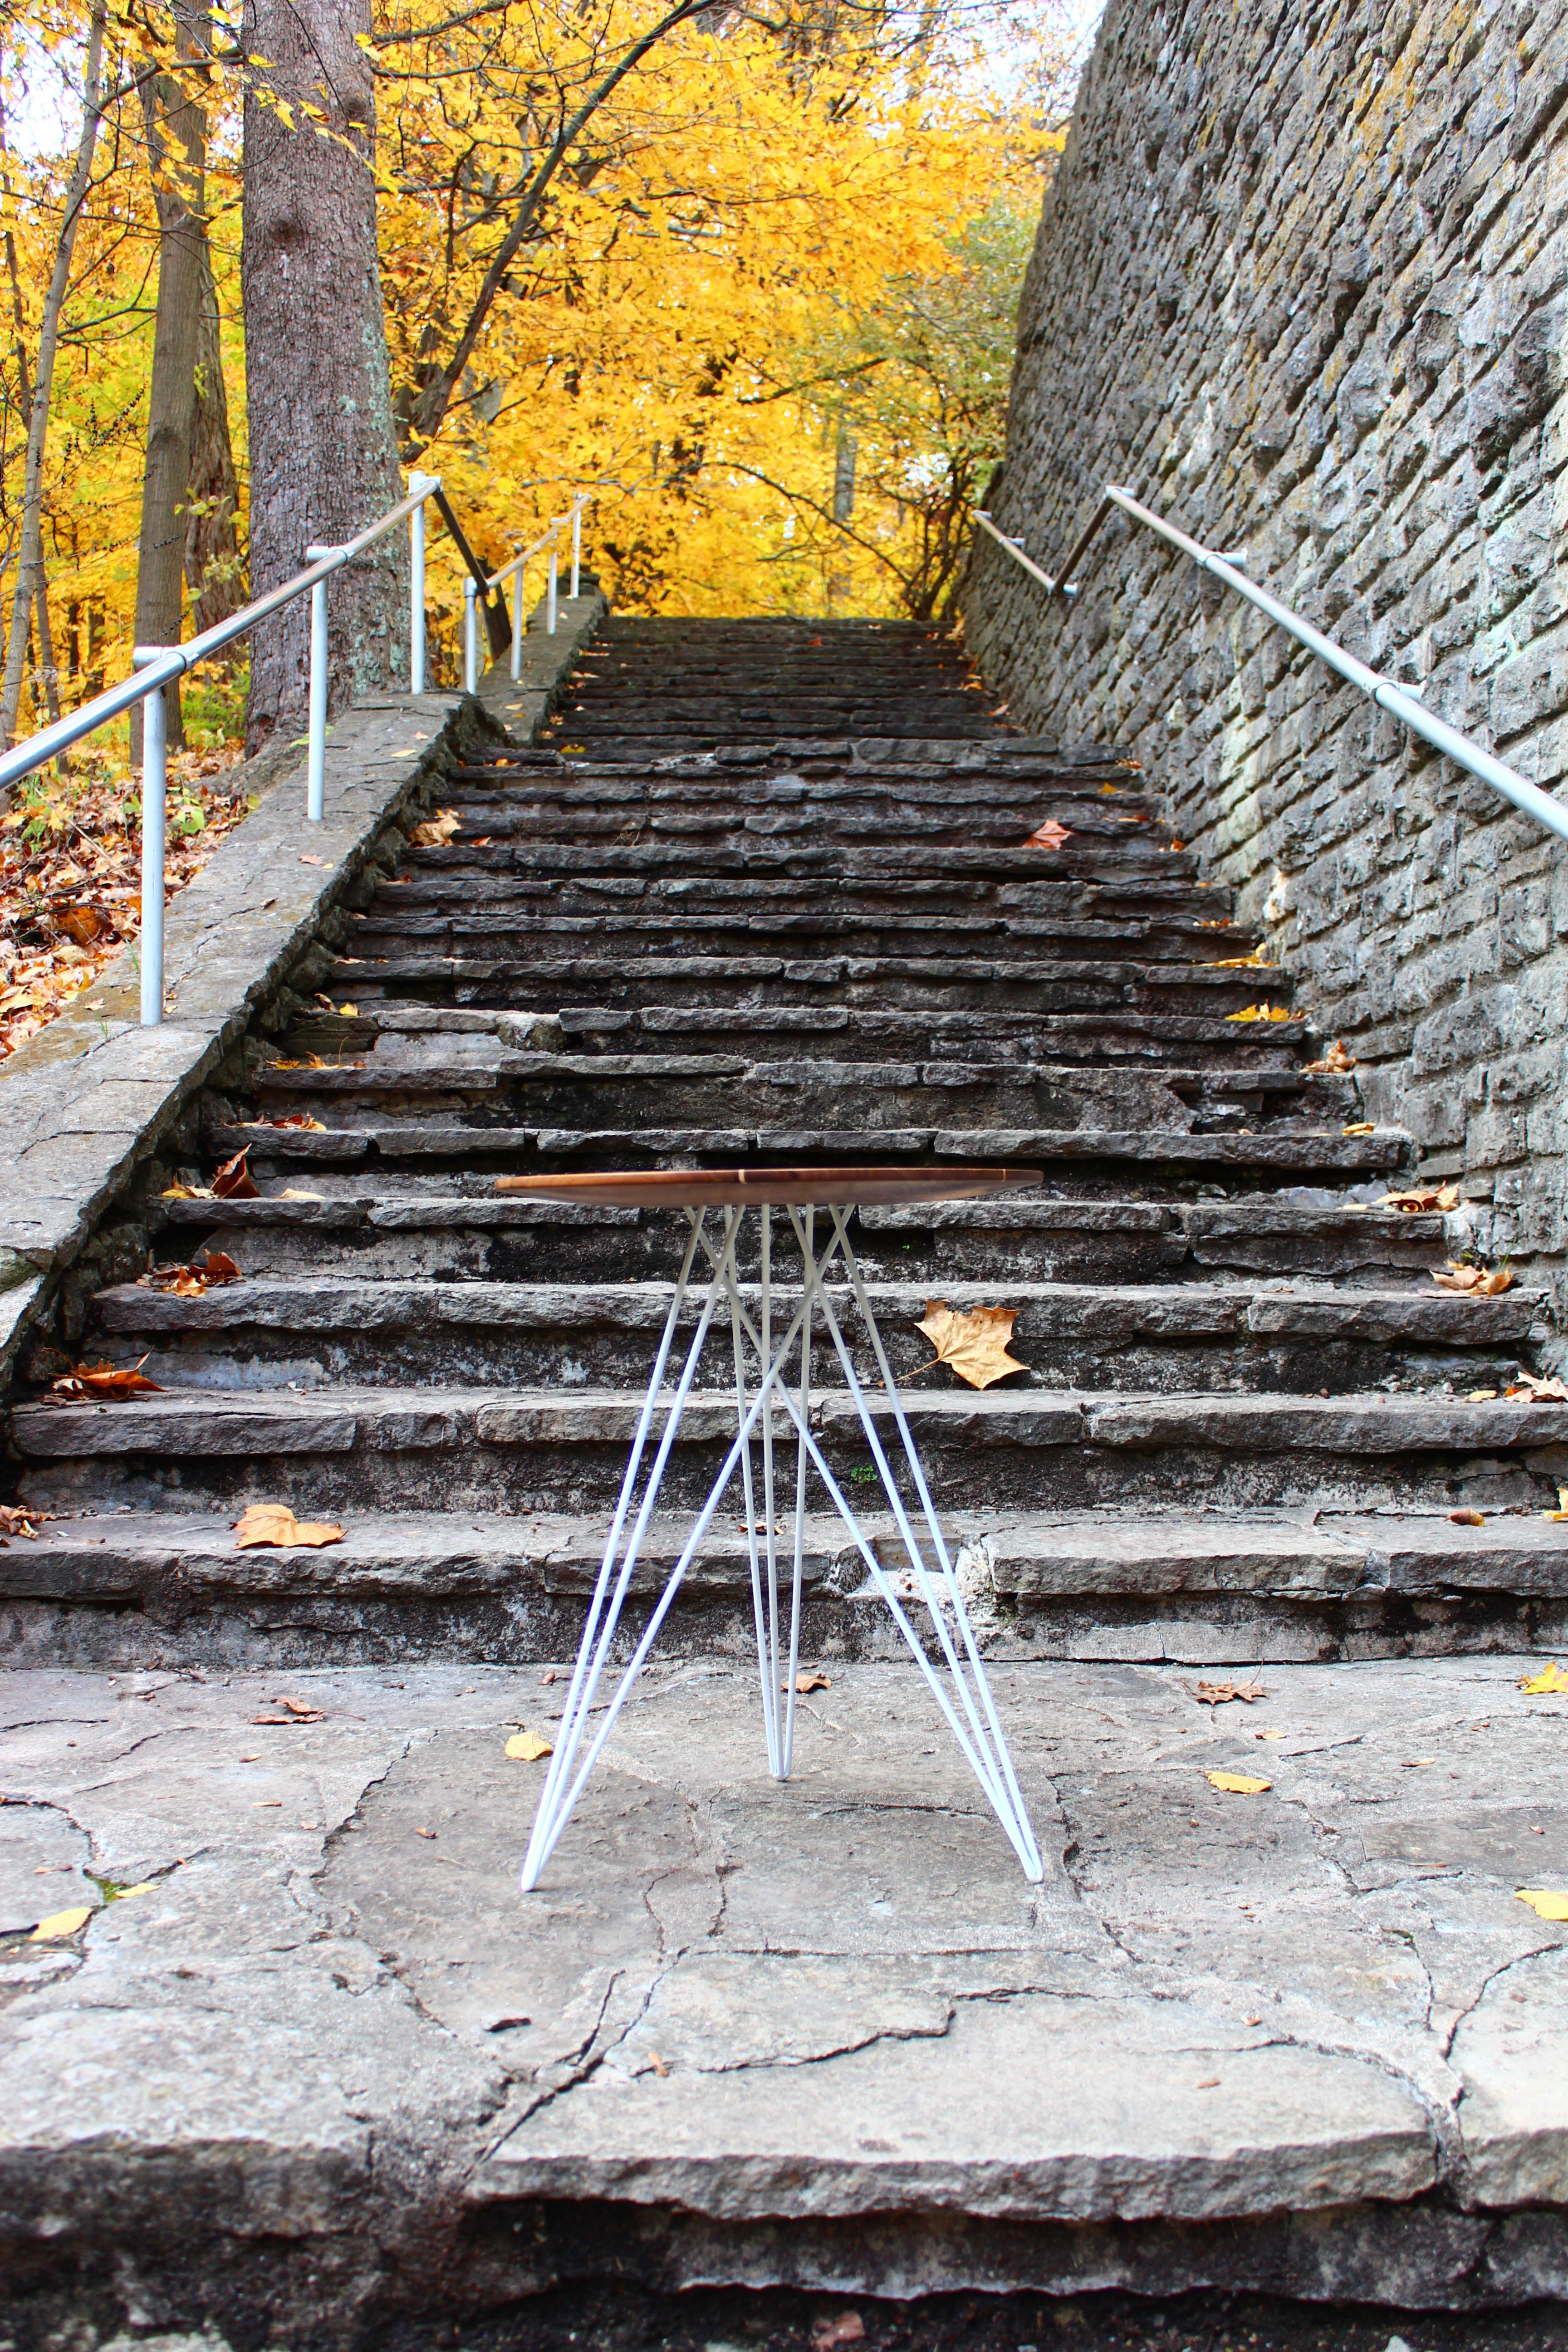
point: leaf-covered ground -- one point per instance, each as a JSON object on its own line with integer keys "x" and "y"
{"x": 70, "y": 874}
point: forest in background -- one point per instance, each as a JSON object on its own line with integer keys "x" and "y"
{"x": 745, "y": 270}
{"x": 765, "y": 312}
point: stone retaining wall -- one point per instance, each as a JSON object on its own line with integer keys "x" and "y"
{"x": 1299, "y": 285}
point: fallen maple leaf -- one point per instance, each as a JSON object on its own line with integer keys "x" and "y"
{"x": 234, "y": 1180}
{"x": 208, "y": 1272}
{"x": 973, "y": 1340}
{"x": 1264, "y": 1013}
{"x": 1473, "y": 1281}
{"x": 298, "y": 1118}
{"x": 1220, "y": 1694}
{"x": 60, "y": 1925}
{"x": 1534, "y": 1391}
{"x": 15, "y": 1521}
{"x": 1549, "y": 1683}
{"x": 1409, "y": 1203}
{"x": 810, "y": 1681}
{"x": 1546, "y": 1902}
{"x": 436, "y": 831}
{"x": 274, "y": 1523}
{"x": 90, "y": 1382}
{"x": 1049, "y": 835}
{"x": 527, "y": 1747}
{"x": 1239, "y": 1784}
{"x": 1335, "y": 1062}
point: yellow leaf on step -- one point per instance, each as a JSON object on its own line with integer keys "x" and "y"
{"x": 274, "y": 1523}
{"x": 1546, "y": 1902}
{"x": 60, "y": 1925}
{"x": 1549, "y": 1683}
{"x": 1360, "y": 1127}
{"x": 1239, "y": 1784}
{"x": 973, "y": 1340}
{"x": 527, "y": 1747}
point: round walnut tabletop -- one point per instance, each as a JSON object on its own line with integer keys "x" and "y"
{"x": 769, "y": 1188}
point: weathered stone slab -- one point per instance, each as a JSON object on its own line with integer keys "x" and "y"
{"x": 749, "y": 2011}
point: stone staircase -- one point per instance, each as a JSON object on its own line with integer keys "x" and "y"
{"x": 767, "y": 891}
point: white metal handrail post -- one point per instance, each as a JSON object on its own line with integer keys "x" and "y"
{"x": 576, "y": 546}
{"x": 470, "y": 634}
{"x": 155, "y": 824}
{"x": 554, "y": 560}
{"x": 316, "y": 731}
{"x": 421, "y": 485}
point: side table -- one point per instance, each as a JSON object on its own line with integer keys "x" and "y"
{"x": 764, "y": 1381}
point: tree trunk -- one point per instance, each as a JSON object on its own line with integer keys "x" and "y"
{"x": 323, "y": 457}
{"x": 29, "y": 567}
{"x": 176, "y": 151}
{"x": 213, "y": 569}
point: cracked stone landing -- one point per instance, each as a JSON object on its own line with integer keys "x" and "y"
{"x": 832, "y": 1997}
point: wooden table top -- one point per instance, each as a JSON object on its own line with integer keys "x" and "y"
{"x": 777, "y": 1188}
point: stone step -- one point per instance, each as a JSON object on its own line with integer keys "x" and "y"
{"x": 1115, "y": 865}
{"x": 1161, "y": 1338}
{"x": 611, "y": 1088}
{"x": 170, "y": 1588}
{"x": 845, "y": 1031}
{"x": 453, "y": 1234}
{"x": 1165, "y": 1154}
{"x": 543, "y": 981}
{"x": 459, "y": 1448}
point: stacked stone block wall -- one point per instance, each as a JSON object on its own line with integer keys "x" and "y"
{"x": 1300, "y": 284}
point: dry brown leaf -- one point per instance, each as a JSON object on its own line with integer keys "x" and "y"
{"x": 1239, "y": 1784}
{"x": 234, "y": 1180}
{"x": 1049, "y": 835}
{"x": 1549, "y": 1683}
{"x": 274, "y": 1523}
{"x": 16, "y": 1519}
{"x": 298, "y": 1119}
{"x": 306, "y": 858}
{"x": 1473, "y": 1281}
{"x": 1481, "y": 1396}
{"x": 436, "y": 831}
{"x": 659, "y": 2068}
{"x": 1220, "y": 1694}
{"x": 209, "y": 1272}
{"x": 1529, "y": 1389}
{"x": 185, "y": 1192}
{"x": 973, "y": 1340}
{"x": 111, "y": 1383}
{"x": 1468, "y": 1518}
{"x": 81, "y": 924}
{"x": 810, "y": 1681}
{"x": 1422, "y": 1197}
{"x": 848, "y": 2328}
{"x": 291, "y": 1194}
{"x": 1335, "y": 1062}
{"x": 527, "y": 1747}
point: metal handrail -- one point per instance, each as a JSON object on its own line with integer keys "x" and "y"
{"x": 513, "y": 571}
{"x": 1399, "y": 701}
{"x": 152, "y": 668}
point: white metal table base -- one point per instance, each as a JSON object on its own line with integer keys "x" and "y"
{"x": 959, "y": 1684}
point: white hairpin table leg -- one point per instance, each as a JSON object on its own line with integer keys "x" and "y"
{"x": 964, "y": 1698}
